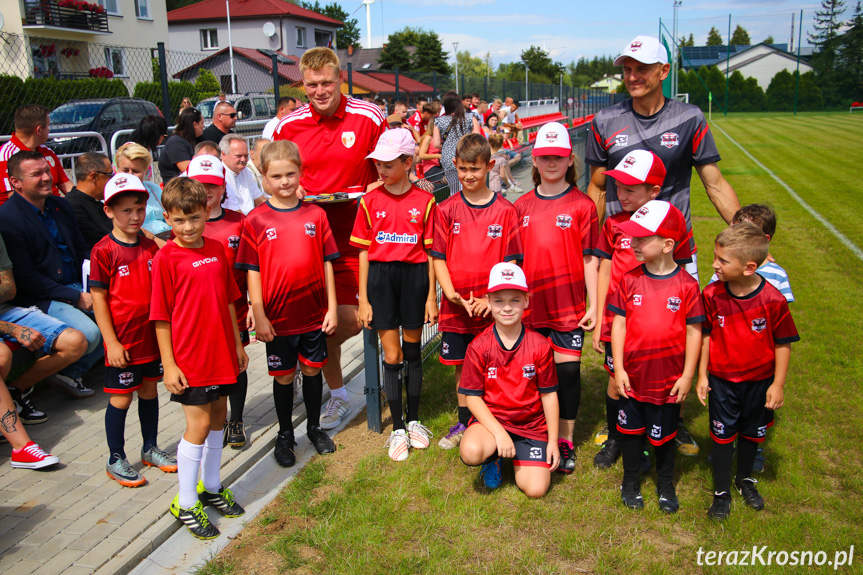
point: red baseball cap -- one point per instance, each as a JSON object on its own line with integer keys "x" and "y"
{"x": 639, "y": 167}
{"x": 656, "y": 218}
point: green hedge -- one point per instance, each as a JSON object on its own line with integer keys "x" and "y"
{"x": 152, "y": 92}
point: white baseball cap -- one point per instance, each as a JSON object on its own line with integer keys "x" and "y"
{"x": 639, "y": 167}
{"x": 207, "y": 170}
{"x": 656, "y": 218}
{"x": 122, "y": 183}
{"x": 645, "y": 49}
{"x": 506, "y": 276}
{"x": 552, "y": 140}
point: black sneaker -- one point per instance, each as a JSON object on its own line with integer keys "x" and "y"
{"x": 27, "y": 412}
{"x": 195, "y": 519}
{"x": 685, "y": 444}
{"x": 720, "y": 509}
{"x": 746, "y": 488}
{"x": 235, "y": 435}
{"x": 668, "y": 498}
{"x": 223, "y": 501}
{"x": 609, "y": 453}
{"x": 284, "y": 451}
{"x": 630, "y": 494}
{"x": 645, "y": 461}
{"x": 320, "y": 440}
{"x": 567, "y": 457}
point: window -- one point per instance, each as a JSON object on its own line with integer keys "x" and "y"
{"x": 323, "y": 38}
{"x": 142, "y": 9}
{"x": 115, "y": 60}
{"x": 209, "y": 39}
{"x": 261, "y": 109}
{"x": 301, "y": 37}
{"x": 44, "y": 61}
{"x": 111, "y": 6}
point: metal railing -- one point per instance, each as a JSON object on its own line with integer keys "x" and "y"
{"x": 242, "y": 128}
{"x": 50, "y": 13}
{"x": 71, "y": 157}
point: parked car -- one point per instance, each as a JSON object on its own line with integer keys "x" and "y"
{"x": 250, "y": 106}
{"x": 104, "y": 116}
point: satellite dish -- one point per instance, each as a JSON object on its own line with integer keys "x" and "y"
{"x": 2, "y": 21}
{"x": 269, "y": 29}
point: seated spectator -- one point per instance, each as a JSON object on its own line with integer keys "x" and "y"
{"x": 134, "y": 159}
{"x": 382, "y": 104}
{"x": 481, "y": 109}
{"x": 418, "y": 123}
{"x": 492, "y": 126}
{"x": 92, "y": 172}
{"x": 208, "y": 148}
{"x": 255, "y": 164}
{"x": 467, "y": 102}
{"x": 512, "y": 123}
{"x": 241, "y": 187}
{"x": 493, "y": 109}
{"x": 151, "y": 132}
{"x": 48, "y": 250}
{"x": 401, "y": 110}
{"x": 224, "y": 120}
{"x": 474, "y": 102}
{"x": 501, "y": 173}
{"x": 31, "y": 132}
{"x": 394, "y": 121}
{"x": 285, "y": 106}
{"x": 180, "y": 146}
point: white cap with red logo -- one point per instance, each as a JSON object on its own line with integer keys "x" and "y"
{"x": 207, "y": 170}
{"x": 122, "y": 183}
{"x": 656, "y": 218}
{"x": 506, "y": 276}
{"x": 645, "y": 49}
{"x": 552, "y": 140}
{"x": 639, "y": 167}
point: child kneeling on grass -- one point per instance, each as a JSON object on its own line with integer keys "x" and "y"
{"x": 510, "y": 382}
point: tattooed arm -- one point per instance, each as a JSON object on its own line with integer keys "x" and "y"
{"x": 7, "y": 286}
{"x": 26, "y": 336}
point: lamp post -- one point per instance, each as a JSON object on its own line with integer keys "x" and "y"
{"x": 455, "y": 47}
{"x": 230, "y": 48}
{"x": 677, "y": 4}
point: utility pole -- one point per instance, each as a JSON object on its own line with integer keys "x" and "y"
{"x": 455, "y": 47}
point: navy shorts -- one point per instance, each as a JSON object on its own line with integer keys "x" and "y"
{"x": 658, "y": 422}
{"x": 203, "y": 395}
{"x": 284, "y": 351}
{"x": 131, "y": 378}
{"x": 397, "y": 293}
{"x": 453, "y": 347}
{"x": 738, "y": 408}
{"x": 528, "y": 452}
{"x": 565, "y": 342}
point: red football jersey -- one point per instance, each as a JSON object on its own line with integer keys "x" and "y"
{"x": 227, "y": 229}
{"x": 615, "y": 245}
{"x": 289, "y": 248}
{"x": 472, "y": 238}
{"x": 192, "y": 288}
{"x": 333, "y": 150}
{"x": 416, "y": 123}
{"x": 511, "y": 381}
{"x": 557, "y": 233}
{"x": 395, "y": 228}
{"x": 744, "y": 331}
{"x": 657, "y": 310}
{"x": 12, "y": 147}
{"x": 125, "y": 271}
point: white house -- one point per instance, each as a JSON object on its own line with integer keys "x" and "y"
{"x": 608, "y": 83}
{"x": 762, "y": 62}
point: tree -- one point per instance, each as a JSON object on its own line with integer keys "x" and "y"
{"x": 395, "y": 55}
{"x": 206, "y": 84}
{"x": 744, "y": 94}
{"x": 430, "y": 55}
{"x": 769, "y": 40}
{"x": 740, "y": 37}
{"x": 849, "y": 64}
{"x": 540, "y": 66}
{"x": 347, "y": 35}
{"x": 780, "y": 92}
{"x": 825, "y": 39}
{"x": 713, "y": 37}
{"x": 684, "y": 42}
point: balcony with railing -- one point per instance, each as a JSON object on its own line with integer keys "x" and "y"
{"x": 66, "y": 14}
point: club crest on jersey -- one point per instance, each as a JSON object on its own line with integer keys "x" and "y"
{"x": 655, "y": 432}
{"x": 311, "y": 229}
{"x": 149, "y": 265}
{"x": 127, "y": 378}
{"x": 720, "y": 319}
{"x": 380, "y": 214}
{"x": 525, "y": 221}
{"x": 50, "y": 161}
{"x": 445, "y": 349}
{"x": 495, "y": 231}
{"x": 636, "y": 299}
{"x": 628, "y": 162}
{"x": 621, "y": 417}
{"x": 718, "y": 427}
{"x": 234, "y": 242}
{"x": 625, "y": 243}
{"x": 564, "y": 221}
{"x": 492, "y": 373}
{"x": 456, "y": 228}
{"x": 123, "y": 271}
{"x": 414, "y": 214}
{"x": 528, "y": 371}
{"x": 348, "y": 139}
{"x": 274, "y": 361}
{"x": 673, "y": 304}
{"x": 507, "y": 274}
{"x": 621, "y": 140}
{"x": 669, "y": 140}
{"x": 535, "y": 453}
{"x": 271, "y": 234}
{"x": 758, "y": 324}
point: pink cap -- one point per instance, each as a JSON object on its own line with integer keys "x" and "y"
{"x": 506, "y": 276}
{"x": 122, "y": 183}
{"x": 207, "y": 170}
{"x": 639, "y": 167}
{"x": 552, "y": 140}
{"x": 656, "y": 218}
{"x": 393, "y": 144}
{"x": 645, "y": 49}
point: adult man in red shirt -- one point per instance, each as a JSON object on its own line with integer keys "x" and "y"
{"x": 335, "y": 134}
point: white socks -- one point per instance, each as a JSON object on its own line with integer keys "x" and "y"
{"x": 212, "y": 462}
{"x": 340, "y": 393}
{"x": 188, "y": 462}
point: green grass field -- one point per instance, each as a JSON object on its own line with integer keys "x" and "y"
{"x": 432, "y": 514}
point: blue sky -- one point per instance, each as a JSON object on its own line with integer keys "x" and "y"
{"x": 569, "y": 29}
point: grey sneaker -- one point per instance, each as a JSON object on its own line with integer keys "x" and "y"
{"x": 73, "y": 387}
{"x": 336, "y": 410}
{"x": 155, "y": 457}
{"x": 124, "y": 474}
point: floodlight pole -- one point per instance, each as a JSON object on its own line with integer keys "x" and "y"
{"x": 368, "y": 5}
{"x": 677, "y": 4}
{"x": 455, "y": 47}
{"x": 230, "y": 47}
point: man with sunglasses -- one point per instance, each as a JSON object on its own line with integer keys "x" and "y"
{"x": 224, "y": 120}
{"x": 92, "y": 172}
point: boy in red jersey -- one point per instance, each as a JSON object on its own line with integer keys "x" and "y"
{"x": 288, "y": 249}
{"x": 196, "y": 326}
{"x": 511, "y": 390}
{"x": 120, "y": 281}
{"x": 226, "y": 226}
{"x": 393, "y": 230}
{"x": 745, "y": 354}
{"x": 559, "y": 233}
{"x": 473, "y": 231}
{"x": 656, "y": 307}
{"x": 639, "y": 178}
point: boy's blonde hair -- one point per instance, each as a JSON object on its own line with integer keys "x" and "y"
{"x": 495, "y": 141}
{"x": 316, "y": 58}
{"x": 184, "y": 195}
{"x": 278, "y": 151}
{"x": 571, "y": 177}
{"x": 473, "y": 148}
{"x": 745, "y": 241}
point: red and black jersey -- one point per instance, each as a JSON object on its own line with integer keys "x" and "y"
{"x": 12, "y": 147}
{"x": 416, "y": 123}
{"x": 289, "y": 247}
{"x": 557, "y": 233}
{"x": 510, "y": 381}
{"x": 615, "y": 245}
{"x": 227, "y": 229}
{"x": 125, "y": 271}
{"x": 657, "y": 310}
{"x": 744, "y": 331}
{"x": 395, "y": 228}
{"x": 192, "y": 289}
{"x": 472, "y": 239}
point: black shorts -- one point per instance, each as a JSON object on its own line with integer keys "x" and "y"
{"x": 284, "y": 351}
{"x": 397, "y": 293}
{"x": 738, "y": 408}
{"x": 528, "y": 452}
{"x": 659, "y": 422}
{"x": 131, "y": 378}
{"x": 203, "y": 395}
{"x": 245, "y": 338}
{"x": 609, "y": 361}
{"x": 565, "y": 342}
{"x": 453, "y": 347}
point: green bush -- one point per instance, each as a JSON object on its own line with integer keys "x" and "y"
{"x": 152, "y": 92}
{"x": 11, "y": 88}
{"x": 207, "y": 84}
